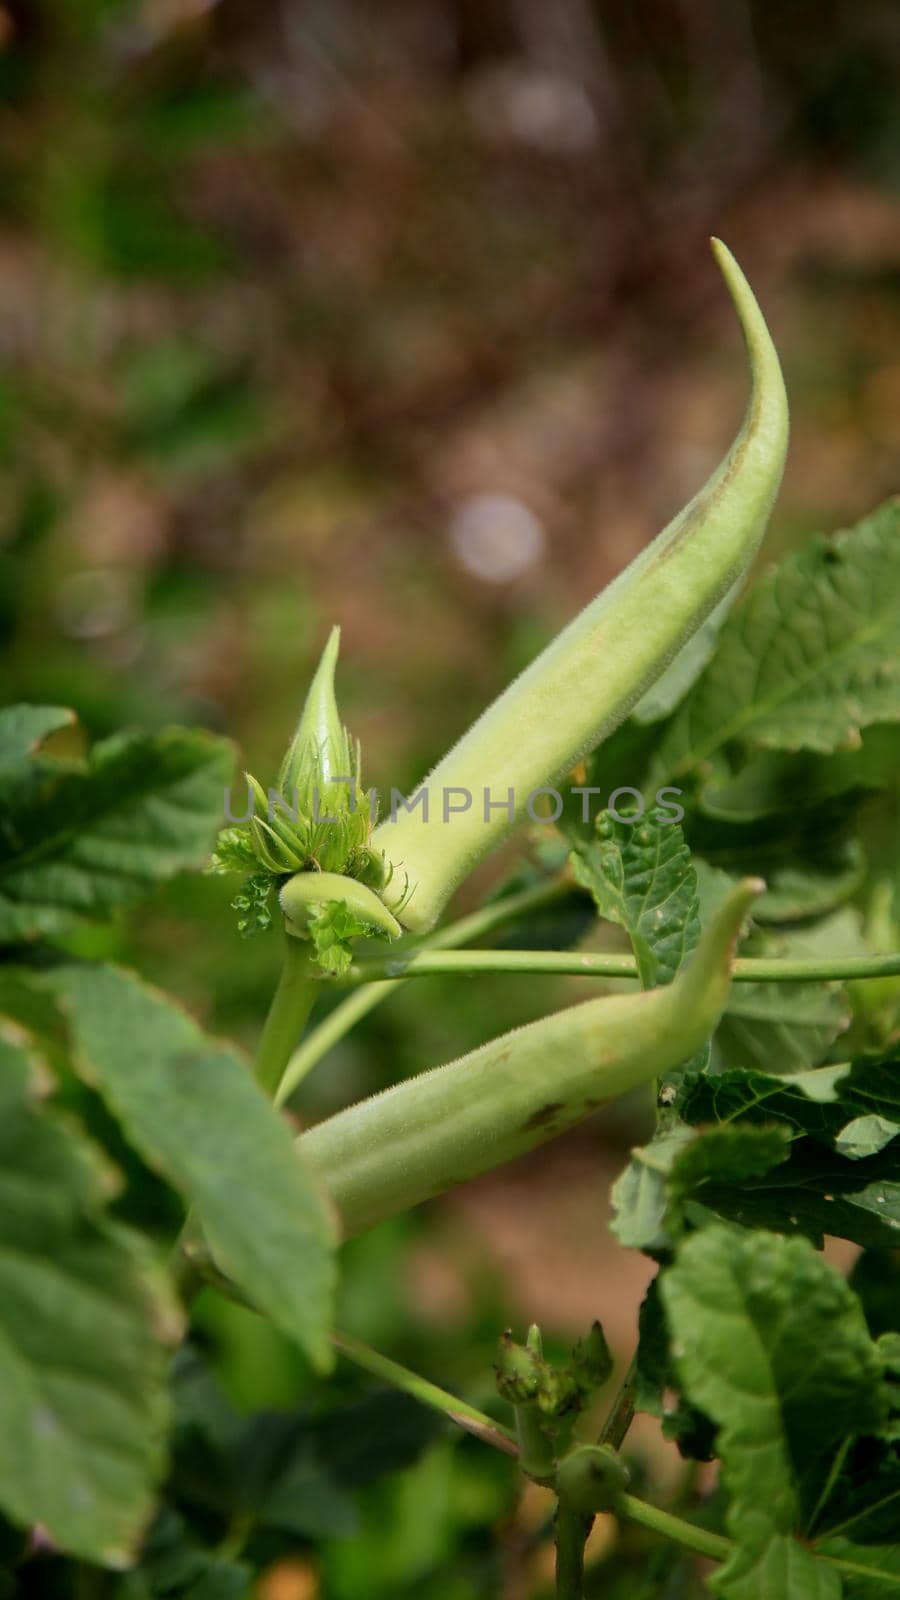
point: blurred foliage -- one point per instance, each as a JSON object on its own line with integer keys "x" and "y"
{"x": 286, "y": 292}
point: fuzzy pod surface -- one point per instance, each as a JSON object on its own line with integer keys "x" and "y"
{"x": 588, "y": 679}
{"x": 435, "y": 1131}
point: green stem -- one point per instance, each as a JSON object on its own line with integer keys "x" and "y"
{"x": 572, "y": 1529}
{"x": 346, "y": 1015}
{"x": 714, "y": 1545}
{"x": 582, "y": 964}
{"x": 291, "y": 1004}
{"x": 621, "y": 1414}
{"x": 478, "y": 1423}
{"x": 465, "y": 1416}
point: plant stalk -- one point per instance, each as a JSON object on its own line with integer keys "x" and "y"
{"x": 687, "y": 1534}
{"x": 572, "y": 1529}
{"x": 291, "y": 1005}
{"x": 428, "y": 1394}
{"x": 582, "y": 964}
{"x": 621, "y": 1414}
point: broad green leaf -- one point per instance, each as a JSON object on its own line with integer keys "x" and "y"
{"x": 640, "y": 1195}
{"x": 84, "y": 1322}
{"x": 83, "y": 839}
{"x": 819, "y": 1190}
{"x": 815, "y": 1195}
{"x": 782, "y": 1026}
{"x": 811, "y": 865}
{"x": 771, "y": 1344}
{"x": 865, "y": 1136}
{"x": 24, "y": 728}
{"x": 641, "y": 877}
{"x": 193, "y": 1112}
{"x": 809, "y": 658}
{"x": 679, "y": 1165}
{"x": 774, "y": 782}
{"x": 785, "y": 1028}
{"x": 803, "y": 888}
{"x": 877, "y": 1568}
{"x": 819, "y": 1102}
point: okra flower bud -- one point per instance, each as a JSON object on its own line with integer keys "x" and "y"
{"x": 587, "y": 681}
{"x": 309, "y": 837}
{"x": 317, "y": 818}
{"x": 446, "y": 1126}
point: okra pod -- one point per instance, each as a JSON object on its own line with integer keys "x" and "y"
{"x": 589, "y": 678}
{"x": 440, "y": 1129}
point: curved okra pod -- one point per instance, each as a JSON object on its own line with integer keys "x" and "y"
{"x": 594, "y": 672}
{"x": 432, "y": 1132}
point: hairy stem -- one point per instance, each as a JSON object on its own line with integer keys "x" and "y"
{"x": 291, "y": 1004}
{"x": 345, "y": 1016}
{"x": 574, "y": 963}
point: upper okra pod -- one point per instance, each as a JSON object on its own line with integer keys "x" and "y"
{"x": 308, "y": 836}
{"x": 589, "y": 678}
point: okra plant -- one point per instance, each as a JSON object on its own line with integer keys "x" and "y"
{"x": 708, "y": 762}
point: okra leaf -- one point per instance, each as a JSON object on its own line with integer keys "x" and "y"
{"x": 820, "y": 1102}
{"x": 774, "y": 783}
{"x": 808, "y": 659}
{"x": 821, "y": 1189}
{"x": 85, "y": 1319}
{"x": 82, "y": 839}
{"x": 193, "y": 1112}
{"x": 681, "y": 1164}
{"x": 877, "y": 1574}
{"x": 787, "y": 1026}
{"x": 24, "y": 728}
{"x": 772, "y": 1345}
{"x": 812, "y": 863}
{"x": 641, "y": 877}
{"x": 775, "y": 1026}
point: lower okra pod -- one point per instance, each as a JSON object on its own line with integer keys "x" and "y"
{"x": 440, "y": 1129}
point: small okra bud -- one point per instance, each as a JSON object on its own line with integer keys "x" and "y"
{"x": 591, "y": 1362}
{"x": 320, "y": 751}
{"x": 524, "y": 1377}
{"x": 592, "y": 675}
{"x": 317, "y": 817}
{"x": 591, "y": 1478}
{"x": 519, "y": 1370}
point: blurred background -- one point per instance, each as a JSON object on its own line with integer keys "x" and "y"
{"x": 403, "y": 317}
